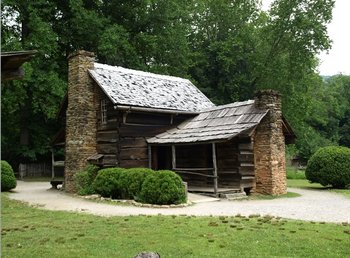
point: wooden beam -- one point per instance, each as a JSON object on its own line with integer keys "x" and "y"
{"x": 194, "y": 173}
{"x": 149, "y": 156}
{"x": 215, "y": 170}
{"x": 173, "y": 156}
{"x": 194, "y": 169}
{"x": 53, "y": 162}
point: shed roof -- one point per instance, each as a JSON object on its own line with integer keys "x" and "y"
{"x": 219, "y": 123}
{"x": 11, "y": 63}
{"x": 143, "y": 89}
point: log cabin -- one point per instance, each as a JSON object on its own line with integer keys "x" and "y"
{"x": 121, "y": 117}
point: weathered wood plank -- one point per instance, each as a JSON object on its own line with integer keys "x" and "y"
{"x": 110, "y": 160}
{"x": 141, "y": 130}
{"x": 149, "y": 156}
{"x": 195, "y": 173}
{"x": 246, "y": 158}
{"x": 245, "y": 171}
{"x": 133, "y": 142}
{"x": 143, "y": 163}
{"x": 107, "y": 136}
{"x": 245, "y": 146}
{"x": 148, "y": 119}
{"x": 133, "y": 153}
{"x": 107, "y": 148}
{"x": 111, "y": 125}
{"x": 173, "y": 157}
{"x": 215, "y": 171}
{"x": 193, "y": 169}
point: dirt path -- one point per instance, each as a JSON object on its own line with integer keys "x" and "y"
{"x": 312, "y": 205}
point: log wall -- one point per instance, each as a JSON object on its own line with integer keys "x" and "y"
{"x": 235, "y": 160}
{"x": 122, "y": 139}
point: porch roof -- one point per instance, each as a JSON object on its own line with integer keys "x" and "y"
{"x": 219, "y": 123}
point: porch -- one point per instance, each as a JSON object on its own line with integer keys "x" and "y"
{"x": 214, "y": 169}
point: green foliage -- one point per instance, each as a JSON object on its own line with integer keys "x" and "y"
{"x": 163, "y": 187}
{"x": 134, "y": 180}
{"x": 108, "y": 182}
{"x": 330, "y": 166}
{"x": 228, "y": 48}
{"x": 85, "y": 178}
{"x": 8, "y": 179}
{"x": 146, "y": 185}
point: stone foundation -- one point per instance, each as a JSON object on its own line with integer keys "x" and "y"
{"x": 269, "y": 146}
{"x": 81, "y": 116}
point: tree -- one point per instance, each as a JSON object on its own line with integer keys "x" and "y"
{"x": 229, "y": 48}
{"x": 223, "y": 43}
{"x": 29, "y": 106}
{"x": 27, "y": 116}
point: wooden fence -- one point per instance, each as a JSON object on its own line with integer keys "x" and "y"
{"x": 34, "y": 169}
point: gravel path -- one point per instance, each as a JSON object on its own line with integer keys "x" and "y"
{"x": 312, "y": 205}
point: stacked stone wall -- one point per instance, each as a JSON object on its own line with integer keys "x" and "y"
{"x": 81, "y": 116}
{"x": 269, "y": 146}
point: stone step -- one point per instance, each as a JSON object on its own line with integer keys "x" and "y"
{"x": 234, "y": 196}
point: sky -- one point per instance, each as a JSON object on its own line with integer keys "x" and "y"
{"x": 337, "y": 60}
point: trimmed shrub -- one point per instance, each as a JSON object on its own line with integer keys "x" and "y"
{"x": 8, "y": 179}
{"x": 163, "y": 187}
{"x": 134, "y": 180}
{"x": 85, "y": 178}
{"x": 107, "y": 182}
{"x": 330, "y": 166}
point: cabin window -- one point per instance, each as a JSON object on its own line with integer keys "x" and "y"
{"x": 103, "y": 111}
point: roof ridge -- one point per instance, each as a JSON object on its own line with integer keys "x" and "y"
{"x": 138, "y": 72}
{"x": 234, "y": 104}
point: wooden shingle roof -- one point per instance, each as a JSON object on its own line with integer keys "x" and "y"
{"x": 142, "y": 89}
{"x": 11, "y": 63}
{"x": 219, "y": 123}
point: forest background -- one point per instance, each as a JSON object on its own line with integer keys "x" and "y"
{"x": 227, "y": 48}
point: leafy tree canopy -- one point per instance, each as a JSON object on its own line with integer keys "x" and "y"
{"x": 229, "y": 48}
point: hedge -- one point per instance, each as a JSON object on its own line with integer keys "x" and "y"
{"x": 133, "y": 181}
{"x": 163, "y": 187}
{"x": 330, "y": 166}
{"x": 108, "y": 182}
{"x": 141, "y": 184}
{"x": 8, "y": 179}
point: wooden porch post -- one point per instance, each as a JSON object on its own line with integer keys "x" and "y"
{"x": 215, "y": 170}
{"x": 173, "y": 156}
{"x": 53, "y": 164}
{"x": 149, "y": 156}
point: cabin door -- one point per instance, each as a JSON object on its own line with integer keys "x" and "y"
{"x": 163, "y": 160}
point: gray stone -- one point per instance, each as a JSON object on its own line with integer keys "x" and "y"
{"x": 147, "y": 255}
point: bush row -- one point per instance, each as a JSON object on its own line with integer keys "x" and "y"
{"x": 8, "y": 179}
{"x": 141, "y": 184}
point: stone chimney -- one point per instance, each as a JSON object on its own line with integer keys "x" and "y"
{"x": 269, "y": 146}
{"x": 81, "y": 116}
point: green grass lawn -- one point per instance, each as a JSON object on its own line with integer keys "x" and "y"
{"x": 303, "y": 183}
{"x": 31, "y": 232}
{"x": 296, "y": 178}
